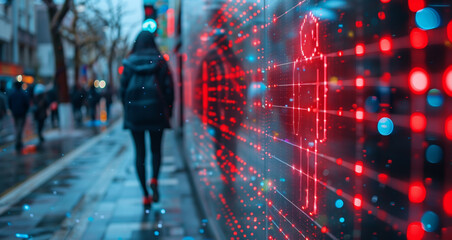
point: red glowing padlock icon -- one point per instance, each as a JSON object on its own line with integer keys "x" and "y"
{"x": 309, "y": 107}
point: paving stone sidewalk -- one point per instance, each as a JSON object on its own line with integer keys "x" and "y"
{"x": 97, "y": 196}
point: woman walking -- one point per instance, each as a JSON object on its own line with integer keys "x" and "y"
{"x": 147, "y": 95}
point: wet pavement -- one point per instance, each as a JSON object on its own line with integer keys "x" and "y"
{"x": 93, "y": 193}
{"x": 16, "y": 168}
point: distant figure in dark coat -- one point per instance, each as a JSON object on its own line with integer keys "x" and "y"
{"x": 147, "y": 95}
{"x": 19, "y": 103}
{"x": 93, "y": 101}
{"x": 78, "y": 96}
{"x": 53, "y": 100}
{"x": 40, "y": 105}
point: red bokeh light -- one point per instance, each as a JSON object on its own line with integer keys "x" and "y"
{"x": 416, "y": 5}
{"x": 166, "y": 57}
{"x": 383, "y": 178}
{"x": 359, "y": 24}
{"x": 120, "y": 70}
{"x": 360, "y": 49}
{"x": 324, "y": 229}
{"x": 447, "y": 203}
{"x": 449, "y": 31}
{"x": 381, "y": 15}
{"x": 418, "y": 122}
{"x": 358, "y": 201}
{"x": 418, "y": 81}
{"x": 359, "y": 114}
{"x": 359, "y": 82}
{"x": 359, "y": 168}
{"x": 448, "y": 128}
{"x": 339, "y": 161}
{"x": 418, "y": 38}
{"x": 447, "y": 81}
{"x": 385, "y": 44}
{"x": 415, "y": 231}
{"x": 385, "y": 1}
{"x": 416, "y": 192}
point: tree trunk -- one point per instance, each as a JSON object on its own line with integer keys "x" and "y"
{"x": 60, "y": 63}
{"x": 110, "y": 68}
{"x": 77, "y": 65}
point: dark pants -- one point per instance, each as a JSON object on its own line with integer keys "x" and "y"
{"x": 19, "y": 123}
{"x": 140, "y": 150}
{"x": 54, "y": 118}
{"x": 40, "y": 127}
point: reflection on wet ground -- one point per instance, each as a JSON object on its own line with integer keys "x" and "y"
{"x": 97, "y": 196}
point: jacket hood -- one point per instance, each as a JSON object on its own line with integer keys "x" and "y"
{"x": 143, "y": 63}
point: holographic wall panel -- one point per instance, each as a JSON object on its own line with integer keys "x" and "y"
{"x": 321, "y": 119}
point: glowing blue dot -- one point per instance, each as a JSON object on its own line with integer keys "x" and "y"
{"x": 428, "y": 18}
{"x": 21, "y": 235}
{"x": 434, "y": 154}
{"x": 156, "y": 233}
{"x": 26, "y": 207}
{"x": 435, "y": 98}
{"x": 385, "y": 126}
{"x": 150, "y": 25}
{"x": 430, "y": 221}
{"x": 339, "y": 203}
{"x": 341, "y": 219}
{"x": 163, "y": 211}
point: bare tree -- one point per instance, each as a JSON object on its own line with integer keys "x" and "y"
{"x": 84, "y": 34}
{"x": 56, "y": 16}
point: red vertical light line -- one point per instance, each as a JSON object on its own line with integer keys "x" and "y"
{"x": 307, "y": 179}
{"x": 325, "y": 85}
{"x": 204, "y": 92}
{"x": 315, "y": 177}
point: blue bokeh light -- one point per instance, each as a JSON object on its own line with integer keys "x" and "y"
{"x": 435, "y": 98}
{"x": 339, "y": 203}
{"x": 150, "y": 25}
{"x": 341, "y": 219}
{"x": 385, "y": 126}
{"x": 427, "y": 18}
{"x": 434, "y": 154}
{"x": 430, "y": 221}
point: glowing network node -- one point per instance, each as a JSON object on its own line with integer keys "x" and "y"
{"x": 418, "y": 38}
{"x": 418, "y": 122}
{"x": 430, "y": 221}
{"x": 415, "y": 231}
{"x": 339, "y": 203}
{"x": 385, "y": 126}
{"x": 447, "y": 81}
{"x": 149, "y": 25}
{"x": 418, "y": 80}
{"x": 416, "y": 5}
{"x": 428, "y": 18}
{"x": 416, "y": 192}
{"x": 434, "y": 154}
{"x": 435, "y": 98}
{"x": 447, "y": 203}
{"x": 385, "y": 44}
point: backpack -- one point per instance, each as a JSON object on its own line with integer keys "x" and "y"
{"x": 142, "y": 101}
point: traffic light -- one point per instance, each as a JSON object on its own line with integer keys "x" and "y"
{"x": 149, "y": 12}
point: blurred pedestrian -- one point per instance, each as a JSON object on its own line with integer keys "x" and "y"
{"x": 19, "y": 103}
{"x": 93, "y": 100}
{"x": 53, "y": 100}
{"x": 147, "y": 95}
{"x": 40, "y": 105}
{"x": 108, "y": 95}
{"x": 77, "y": 98}
{"x": 3, "y": 105}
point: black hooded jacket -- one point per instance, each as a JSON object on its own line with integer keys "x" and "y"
{"x": 146, "y": 91}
